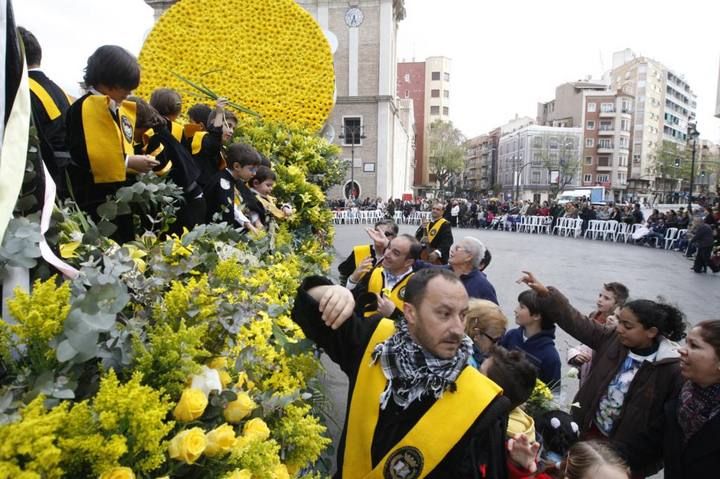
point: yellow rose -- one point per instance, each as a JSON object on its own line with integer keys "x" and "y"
{"x": 191, "y": 406}
{"x": 224, "y": 378}
{"x": 243, "y": 474}
{"x": 256, "y": 429}
{"x": 244, "y": 381}
{"x": 238, "y": 409}
{"x": 280, "y": 472}
{"x": 218, "y": 363}
{"x": 220, "y": 440}
{"x": 118, "y": 473}
{"x": 187, "y": 446}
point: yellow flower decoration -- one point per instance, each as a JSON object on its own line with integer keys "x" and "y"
{"x": 220, "y": 440}
{"x": 118, "y": 473}
{"x": 269, "y": 56}
{"x": 187, "y": 446}
{"x": 191, "y": 406}
{"x": 256, "y": 429}
{"x": 239, "y": 409}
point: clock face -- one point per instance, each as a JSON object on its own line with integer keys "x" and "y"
{"x": 354, "y": 17}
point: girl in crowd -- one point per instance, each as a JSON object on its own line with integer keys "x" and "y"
{"x": 692, "y": 420}
{"x": 485, "y": 324}
{"x": 636, "y": 371}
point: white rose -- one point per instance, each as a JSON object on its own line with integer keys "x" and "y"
{"x": 208, "y": 380}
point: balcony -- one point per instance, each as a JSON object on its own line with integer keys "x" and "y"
{"x": 608, "y": 113}
{"x": 606, "y": 148}
{"x": 605, "y": 163}
{"x": 605, "y": 131}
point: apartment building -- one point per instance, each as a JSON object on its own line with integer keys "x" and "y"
{"x": 566, "y": 109}
{"x": 607, "y": 137}
{"x": 534, "y": 160}
{"x": 664, "y": 105}
{"x": 427, "y": 83}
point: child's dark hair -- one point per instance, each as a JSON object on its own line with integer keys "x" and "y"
{"x": 529, "y": 299}
{"x": 166, "y": 101}
{"x": 244, "y": 155}
{"x": 229, "y": 116}
{"x": 146, "y": 116}
{"x": 487, "y": 258}
{"x": 513, "y": 372}
{"x": 113, "y": 67}
{"x": 263, "y": 173}
{"x": 33, "y": 51}
{"x": 620, "y": 292}
{"x": 669, "y": 321}
{"x": 199, "y": 113}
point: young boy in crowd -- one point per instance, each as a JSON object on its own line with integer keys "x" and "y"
{"x": 535, "y": 336}
{"x": 99, "y": 133}
{"x": 168, "y": 103}
{"x": 264, "y": 210}
{"x": 611, "y": 298}
{"x": 228, "y": 193}
{"x": 207, "y": 148}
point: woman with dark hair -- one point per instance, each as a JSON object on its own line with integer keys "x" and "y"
{"x": 100, "y": 130}
{"x": 692, "y": 420}
{"x": 636, "y": 370}
{"x": 153, "y": 137}
{"x": 168, "y": 103}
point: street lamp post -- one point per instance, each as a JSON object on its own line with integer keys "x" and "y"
{"x": 518, "y": 172}
{"x": 693, "y": 134}
{"x": 354, "y": 132}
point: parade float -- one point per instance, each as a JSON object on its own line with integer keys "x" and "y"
{"x": 175, "y": 355}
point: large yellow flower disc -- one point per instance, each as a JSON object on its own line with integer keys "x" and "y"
{"x": 267, "y": 55}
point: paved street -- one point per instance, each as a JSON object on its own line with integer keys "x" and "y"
{"x": 577, "y": 267}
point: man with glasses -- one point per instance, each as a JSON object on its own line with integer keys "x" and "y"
{"x": 381, "y": 292}
{"x": 436, "y": 236}
{"x": 466, "y": 258}
{"x": 389, "y": 230}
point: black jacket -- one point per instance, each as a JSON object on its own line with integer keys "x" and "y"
{"x": 347, "y": 267}
{"x": 482, "y": 448}
{"x": 442, "y": 241}
{"x": 700, "y": 457}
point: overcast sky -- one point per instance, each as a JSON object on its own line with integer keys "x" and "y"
{"x": 506, "y": 56}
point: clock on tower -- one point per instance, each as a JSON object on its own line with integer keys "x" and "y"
{"x": 354, "y": 17}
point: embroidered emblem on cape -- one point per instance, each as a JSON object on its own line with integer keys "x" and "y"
{"x": 433, "y": 231}
{"x": 405, "y": 463}
{"x": 127, "y": 128}
{"x": 401, "y": 293}
{"x": 224, "y": 184}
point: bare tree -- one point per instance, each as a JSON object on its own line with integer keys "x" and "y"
{"x": 566, "y": 165}
{"x": 447, "y": 152}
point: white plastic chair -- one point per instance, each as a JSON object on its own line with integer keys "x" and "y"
{"x": 611, "y": 227}
{"x": 671, "y": 235}
{"x": 595, "y": 229}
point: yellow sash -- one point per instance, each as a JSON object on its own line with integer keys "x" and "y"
{"x": 433, "y": 229}
{"x": 48, "y": 103}
{"x": 361, "y": 252}
{"x": 430, "y": 440}
{"x": 106, "y": 141}
{"x": 377, "y": 284}
{"x": 177, "y": 130}
{"x": 270, "y": 206}
{"x": 197, "y": 142}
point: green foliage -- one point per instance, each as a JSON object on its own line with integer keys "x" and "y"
{"x": 296, "y": 428}
{"x": 446, "y": 151}
{"x": 40, "y": 318}
{"x": 170, "y": 356}
{"x": 21, "y": 245}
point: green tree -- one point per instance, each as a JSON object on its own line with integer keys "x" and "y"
{"x": 566, "y": 164}
{"x": 447, "y": 151}
{"x": 672, "y": 163}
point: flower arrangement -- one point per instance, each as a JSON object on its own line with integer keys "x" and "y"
{"x": 268, "y": 55}
{"x": 170, "y": 356}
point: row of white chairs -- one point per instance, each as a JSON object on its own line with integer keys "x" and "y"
{"x": 356, "y": 216}
{"x": 604, "y": 230}
{"x": 414, "y": 218}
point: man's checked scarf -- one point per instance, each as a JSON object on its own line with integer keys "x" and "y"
{"x": 413, "y": 372}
